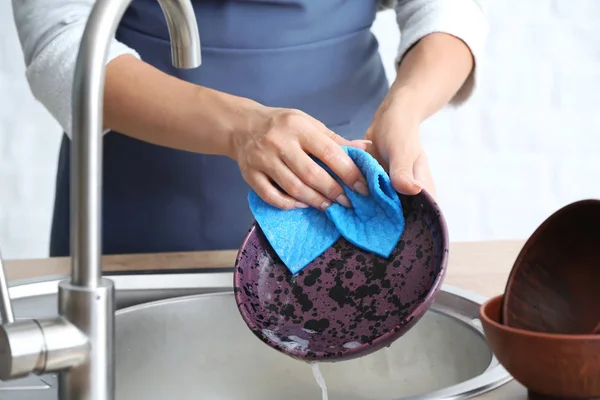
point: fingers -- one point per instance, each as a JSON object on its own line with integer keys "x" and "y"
{"x": 423, "y": 174}
{"x": 305, "y": 174}
{"x": 277, "y": 156}
{"x": 361, "y": 144}
{"x": 401, "y": 162}
{"x": 270, "y": 194}
{"x": 331, "y": 154}
{"x": 295, "y": 182}
{"x": 374, "y": 152}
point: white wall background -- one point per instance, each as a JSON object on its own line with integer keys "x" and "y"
{"x": 527, "y": 144}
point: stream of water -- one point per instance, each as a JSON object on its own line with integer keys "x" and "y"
{"x": 320, "y": 380}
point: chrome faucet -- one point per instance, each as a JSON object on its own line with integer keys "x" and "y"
{"x": 79, "y": 343}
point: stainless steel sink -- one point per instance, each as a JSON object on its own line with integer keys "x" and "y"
{"x": 180, "y": 336}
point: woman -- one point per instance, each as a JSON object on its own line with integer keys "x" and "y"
{"x": 281, "y": 80}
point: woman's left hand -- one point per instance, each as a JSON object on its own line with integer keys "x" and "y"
{"x": 397, "y": 147}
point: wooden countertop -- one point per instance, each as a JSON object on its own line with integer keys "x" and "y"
{"x": 481, "y": 267}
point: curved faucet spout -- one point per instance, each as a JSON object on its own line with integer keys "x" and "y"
{"x": 183, "y": 31}
{"x": 88, "y": 93}
{"x": 87, "y": 301}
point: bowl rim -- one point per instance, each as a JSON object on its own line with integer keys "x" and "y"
{"x": 529, "y": 243}
{"x": 417, "y": 313}
{"x": 523, "y": 332}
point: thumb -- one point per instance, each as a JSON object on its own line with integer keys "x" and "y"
{"x": 402, "y": 172}
{"x": 423, "y": 174}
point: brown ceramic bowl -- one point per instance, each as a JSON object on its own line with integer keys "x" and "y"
{"x": 550, "y": 366}
{"x": 554, "y": 286}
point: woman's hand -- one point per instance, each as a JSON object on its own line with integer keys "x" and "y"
{"x": 271, "y": 145}
{"x": 397, "y": 147}
{"x": 430, "y": 74}
{"x": 275, "y": 150}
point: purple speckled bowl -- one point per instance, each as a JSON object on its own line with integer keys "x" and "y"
{"x": 348, "y": 302}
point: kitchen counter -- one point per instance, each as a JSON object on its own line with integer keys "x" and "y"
{"x": 481, "y": 267}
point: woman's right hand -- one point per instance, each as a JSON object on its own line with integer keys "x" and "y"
{"x": 275, "y": 150}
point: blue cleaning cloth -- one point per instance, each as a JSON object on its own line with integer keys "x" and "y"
{"x": 374, "y": 223}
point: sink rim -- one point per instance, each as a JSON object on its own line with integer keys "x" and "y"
{"x": 222, "y": 282}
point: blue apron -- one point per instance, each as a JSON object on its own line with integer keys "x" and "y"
{"x": 318, "y": 56}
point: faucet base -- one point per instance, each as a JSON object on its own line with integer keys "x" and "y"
{"x": 91, "y": 310}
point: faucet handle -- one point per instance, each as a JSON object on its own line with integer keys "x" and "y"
{"x": 40, "y": 346}
{"x": 21, "y": 357}
{"x": 36, "y": 346}
{"x": 6, "y": 311}
{"x": 22, "y": 349}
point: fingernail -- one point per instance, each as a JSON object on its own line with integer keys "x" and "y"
{"x": 301, "y": 205}
{"x": 344, "y": 200}
{"x": 362, "y": 188}
{"x": 362, "y": 144}
{"x": 418, "y": 183}
{"x": 325, "y": 205}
